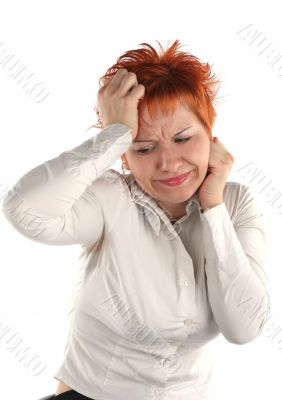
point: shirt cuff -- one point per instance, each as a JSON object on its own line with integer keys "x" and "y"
{"x": 219, "y": 236}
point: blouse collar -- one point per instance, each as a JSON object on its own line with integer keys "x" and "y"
{"x": 153, "y": 211}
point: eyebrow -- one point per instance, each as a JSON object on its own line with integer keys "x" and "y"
{"x": 151, "y": 140}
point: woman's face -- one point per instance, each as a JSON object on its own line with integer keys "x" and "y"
{"x": 162, "y": 154}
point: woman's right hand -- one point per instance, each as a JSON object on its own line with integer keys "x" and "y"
{"x": 118, "y": 100}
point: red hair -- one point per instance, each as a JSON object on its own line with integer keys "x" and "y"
{"x": 170, "y": 77}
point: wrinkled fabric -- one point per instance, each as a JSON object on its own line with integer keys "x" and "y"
{"x": 151, "y": 293}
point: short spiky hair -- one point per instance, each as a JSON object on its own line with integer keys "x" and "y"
{"x": 170, "y": 77}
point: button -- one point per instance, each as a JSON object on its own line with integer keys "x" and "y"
{"x": 188, "y": 322}
{"x": 163, "y": 361}
{"x": 186, "y": 283}
{"x": 158, "y": 391}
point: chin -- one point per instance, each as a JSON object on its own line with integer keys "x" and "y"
{"x": 176, "y": 197}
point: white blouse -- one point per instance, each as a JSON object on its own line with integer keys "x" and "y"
{"x": 151, "y": 294}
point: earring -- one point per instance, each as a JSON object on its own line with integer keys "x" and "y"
{"x": 124, "y": 164}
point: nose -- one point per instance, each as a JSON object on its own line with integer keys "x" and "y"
{"x": 169, "y": 161}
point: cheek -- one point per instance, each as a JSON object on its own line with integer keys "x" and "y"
{"x": 139, "y": 166}
{"x": 198, "y": 153}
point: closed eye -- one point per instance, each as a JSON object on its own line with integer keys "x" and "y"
{"x": 179, "y": 140}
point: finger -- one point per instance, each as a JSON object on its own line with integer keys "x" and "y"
{"x": 128, "y": 82}
{"x": 117, "y": 78}
{"x": 138, "y": 92}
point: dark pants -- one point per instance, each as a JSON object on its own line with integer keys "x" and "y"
{"x": 69, "y": 395}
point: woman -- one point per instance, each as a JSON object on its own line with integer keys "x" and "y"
{"x": 172, "y": 253}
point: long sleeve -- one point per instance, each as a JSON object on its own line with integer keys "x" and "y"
{"x": 235, "y": 257}
{"x": 53, "y": 203}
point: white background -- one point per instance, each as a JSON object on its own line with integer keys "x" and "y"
{"x": 68, "y": 45}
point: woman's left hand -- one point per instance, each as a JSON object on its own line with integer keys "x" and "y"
{"x": 221, "y": 161}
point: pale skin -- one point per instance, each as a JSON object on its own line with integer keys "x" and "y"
{"x": 210, "y": 161}
{"x": 62, "y": 387}
{"x": 206, "y": 156}
{"x": 168, "y": 156}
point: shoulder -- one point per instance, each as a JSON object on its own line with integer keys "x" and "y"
{"x": 112, "y": 191}
{"x": 110, "y": 180}
{"x": 240, "y": 201}
{"x": 234, "y": 191}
